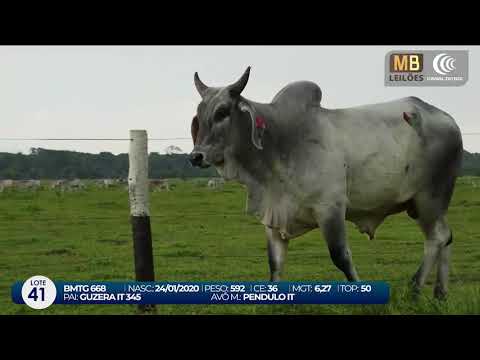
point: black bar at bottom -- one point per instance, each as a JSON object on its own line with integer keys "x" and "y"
{"x": 143, "y": 252}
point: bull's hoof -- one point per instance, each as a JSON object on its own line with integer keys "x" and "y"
{"x": 439, "y": 293}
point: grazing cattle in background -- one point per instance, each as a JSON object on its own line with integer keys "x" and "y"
{"x": 76, "y": 184}
{"x": 58, "y": 185}
{"x": 211, "y": 184}
{"x": 28, "y": 184}
{"x": 107, "y": 183}
{"x": 215, "y": 183}
{"x": 6, "y": 184}
{"x": 306, "y": 167}
{"x": 159, "y": 185}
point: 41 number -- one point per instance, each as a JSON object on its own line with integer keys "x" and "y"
{"x": 34, "y": 294}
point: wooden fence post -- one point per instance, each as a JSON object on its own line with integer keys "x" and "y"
{"x": 138, "y": 190}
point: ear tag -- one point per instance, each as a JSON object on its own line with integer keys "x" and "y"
{"x": 260, "y": 123}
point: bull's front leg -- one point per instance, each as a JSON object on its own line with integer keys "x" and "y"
{"x": 332, "y": 224}
{"x": 277, "y": 252}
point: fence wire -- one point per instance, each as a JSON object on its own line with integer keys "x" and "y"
{"x": 129, "y": 139}
{"x": 90, "y": 139}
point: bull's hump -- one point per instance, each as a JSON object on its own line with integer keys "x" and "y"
{"x": 303, "y": 94}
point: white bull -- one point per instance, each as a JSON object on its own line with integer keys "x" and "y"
{"x": 307, "y": 167}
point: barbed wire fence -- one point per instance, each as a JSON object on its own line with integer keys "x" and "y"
{"x": 127, "y": 139}
{"x": 93, "y": 139}
{"x": 27, "y": 222}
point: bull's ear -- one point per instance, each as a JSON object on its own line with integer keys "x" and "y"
{"x": 257, "y": 122}
{"x": 194, "y": 129}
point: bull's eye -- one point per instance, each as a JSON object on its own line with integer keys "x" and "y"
{"x": 221, "y": 114}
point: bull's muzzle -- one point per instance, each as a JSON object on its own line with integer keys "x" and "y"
{"x": 196, "y": 159}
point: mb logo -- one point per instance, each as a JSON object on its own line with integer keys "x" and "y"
{"x": 426, "y": 67}
{"x": 406, "y": 62}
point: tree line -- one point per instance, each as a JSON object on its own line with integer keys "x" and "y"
{"x": 55, "y": 164}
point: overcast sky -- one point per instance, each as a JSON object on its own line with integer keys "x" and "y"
{"x": 104, "y": 91}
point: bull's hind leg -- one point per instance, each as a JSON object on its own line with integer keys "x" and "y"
{"x": 432, "y": 204}
{"x": 441, "y": 285}
{"x": 436, "y": 248}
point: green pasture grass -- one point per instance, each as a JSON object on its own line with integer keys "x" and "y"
{"x": 201, "y": 234}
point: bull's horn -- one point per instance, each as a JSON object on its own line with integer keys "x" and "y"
{"x": 237, "y": 88}
{"x": 201, "y": 87}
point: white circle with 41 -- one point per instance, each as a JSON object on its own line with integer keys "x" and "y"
{"x": 39, "y": 292}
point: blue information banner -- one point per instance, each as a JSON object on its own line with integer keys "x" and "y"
{"x": 93, "y": 292}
